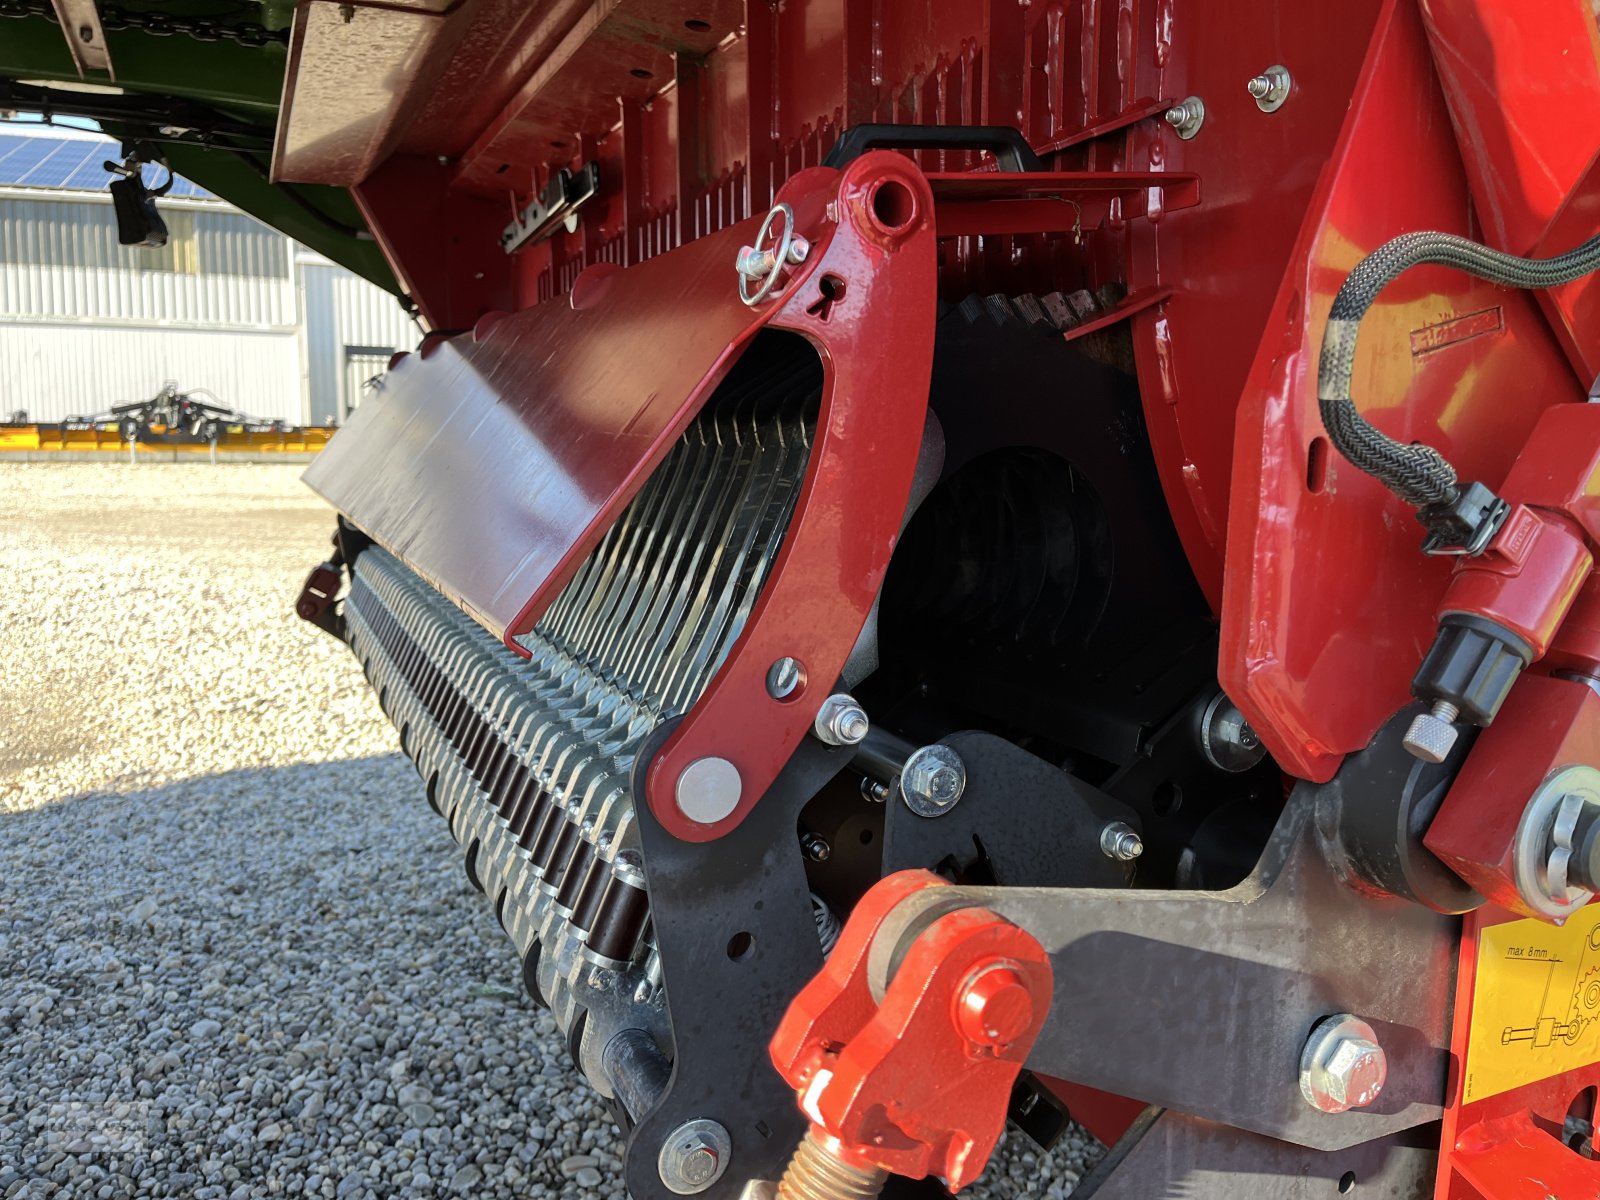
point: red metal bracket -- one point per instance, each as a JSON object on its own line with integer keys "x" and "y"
{"x": 915, "y": 1077}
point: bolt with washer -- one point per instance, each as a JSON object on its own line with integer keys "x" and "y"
{"x": 1270, "y": 88}
{"x": 1342, "y": 1066}
{"x": 1186, "y": 117}
{"x": 694, "y": 1156}
{"x": 932, "y": 780}
{"x": 1226, "y": 739}
{"x": 841, "y": 721}
{"x": 1121, "y": 841}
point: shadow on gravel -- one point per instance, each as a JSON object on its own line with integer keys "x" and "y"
{"x": 271, "y": 981}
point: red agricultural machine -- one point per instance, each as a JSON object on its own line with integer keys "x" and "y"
{"x": 965, "y": 560}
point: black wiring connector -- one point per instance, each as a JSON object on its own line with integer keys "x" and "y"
{"x": 1418, "y": 473}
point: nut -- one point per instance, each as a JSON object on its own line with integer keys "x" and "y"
{"x": 1342, "y": 1066}
{"x": 1121, "y": 841}
{"x": 841, "y": 721}
{"x": 1187, "y": 116}
{"x": 1270, "y": 88}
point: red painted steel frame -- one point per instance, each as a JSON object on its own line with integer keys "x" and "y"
{"x": 694, "y": 119}
{"x": 1327, "y": 605}
{"x": 495, "y": 463}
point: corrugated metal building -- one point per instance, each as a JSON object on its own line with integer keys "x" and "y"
{"x": 227, "y": 306}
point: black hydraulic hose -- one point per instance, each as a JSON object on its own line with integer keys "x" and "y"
{"x": 1417, "y": 473}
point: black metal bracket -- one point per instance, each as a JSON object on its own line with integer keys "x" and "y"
{"x": 1010, "y": 149}
{"x": 737, "y": 940}
{"x": 1214, "y": 1162}
{"x": 1202, "y": 1001}
{"x": 1021, "y": 821}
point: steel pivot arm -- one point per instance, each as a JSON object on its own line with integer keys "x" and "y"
{"x": 905, "y": 1047}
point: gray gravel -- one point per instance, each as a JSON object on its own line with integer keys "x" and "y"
{"x": 238, "y": 955}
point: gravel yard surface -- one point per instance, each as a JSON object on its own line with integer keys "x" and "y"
{"x": 238, "y": 953}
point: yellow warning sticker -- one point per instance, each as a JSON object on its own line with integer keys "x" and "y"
{"x": 1535, "y": 1003}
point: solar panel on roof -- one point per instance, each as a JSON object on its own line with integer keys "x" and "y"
{"x": 73, "y": 164}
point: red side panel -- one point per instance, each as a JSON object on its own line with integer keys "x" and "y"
{"x": 1328, "y": 604}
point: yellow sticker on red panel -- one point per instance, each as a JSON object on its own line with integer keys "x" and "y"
{"x": 1535, "y": 1003}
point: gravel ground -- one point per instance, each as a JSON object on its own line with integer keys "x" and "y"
{"x": 238, "y": 954}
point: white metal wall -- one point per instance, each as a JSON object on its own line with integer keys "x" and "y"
{"x": 346, "y": 319}
{"x": 57, "y": 371}
{"x": 218, "y": 270}
{"x": 228, "y": 305}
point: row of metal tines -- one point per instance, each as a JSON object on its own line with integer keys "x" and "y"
{"x": 482, "y": 706}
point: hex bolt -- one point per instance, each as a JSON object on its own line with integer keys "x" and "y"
{"x": 1270, "y": 88}
{"x": 1121, "y": 841}
{"x": 1187, "y": 116}
{"x": 693, "y": 1156}
{"x": 841, "y": 721}
{"x": 799, "y": 249}
{"x": 932, "y": 780}
{"x": 1226, "y": 739}
{"x": 1342, "y": 1066}
{"x": 1433, "y": 734}
{"x": 815, "y": 847}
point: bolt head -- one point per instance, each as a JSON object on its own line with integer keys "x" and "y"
{"x": 1429, "y": 738}
{"x": 1342, "y": 1066}
{"x": 1226, "y": 739}
{"x": 932, "y": 780}
{"x": 693, "y": 1157}
{"x": 699, "y": 1165}
{"x": 995, "y": 1007}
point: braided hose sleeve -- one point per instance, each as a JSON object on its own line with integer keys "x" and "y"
{"x": 1417, "y": 473}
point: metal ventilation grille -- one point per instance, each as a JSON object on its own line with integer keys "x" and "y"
{"x": 532, "y": 761}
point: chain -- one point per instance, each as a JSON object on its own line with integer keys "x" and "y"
{"x": 158, "y": 24}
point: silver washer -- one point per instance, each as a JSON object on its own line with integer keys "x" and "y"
{"x": 694, "y": 1156}
{"x": 932, "y": 780}
{"x": 1544, "y": 840}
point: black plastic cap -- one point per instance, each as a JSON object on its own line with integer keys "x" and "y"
{"x": 1472, "y": 664}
